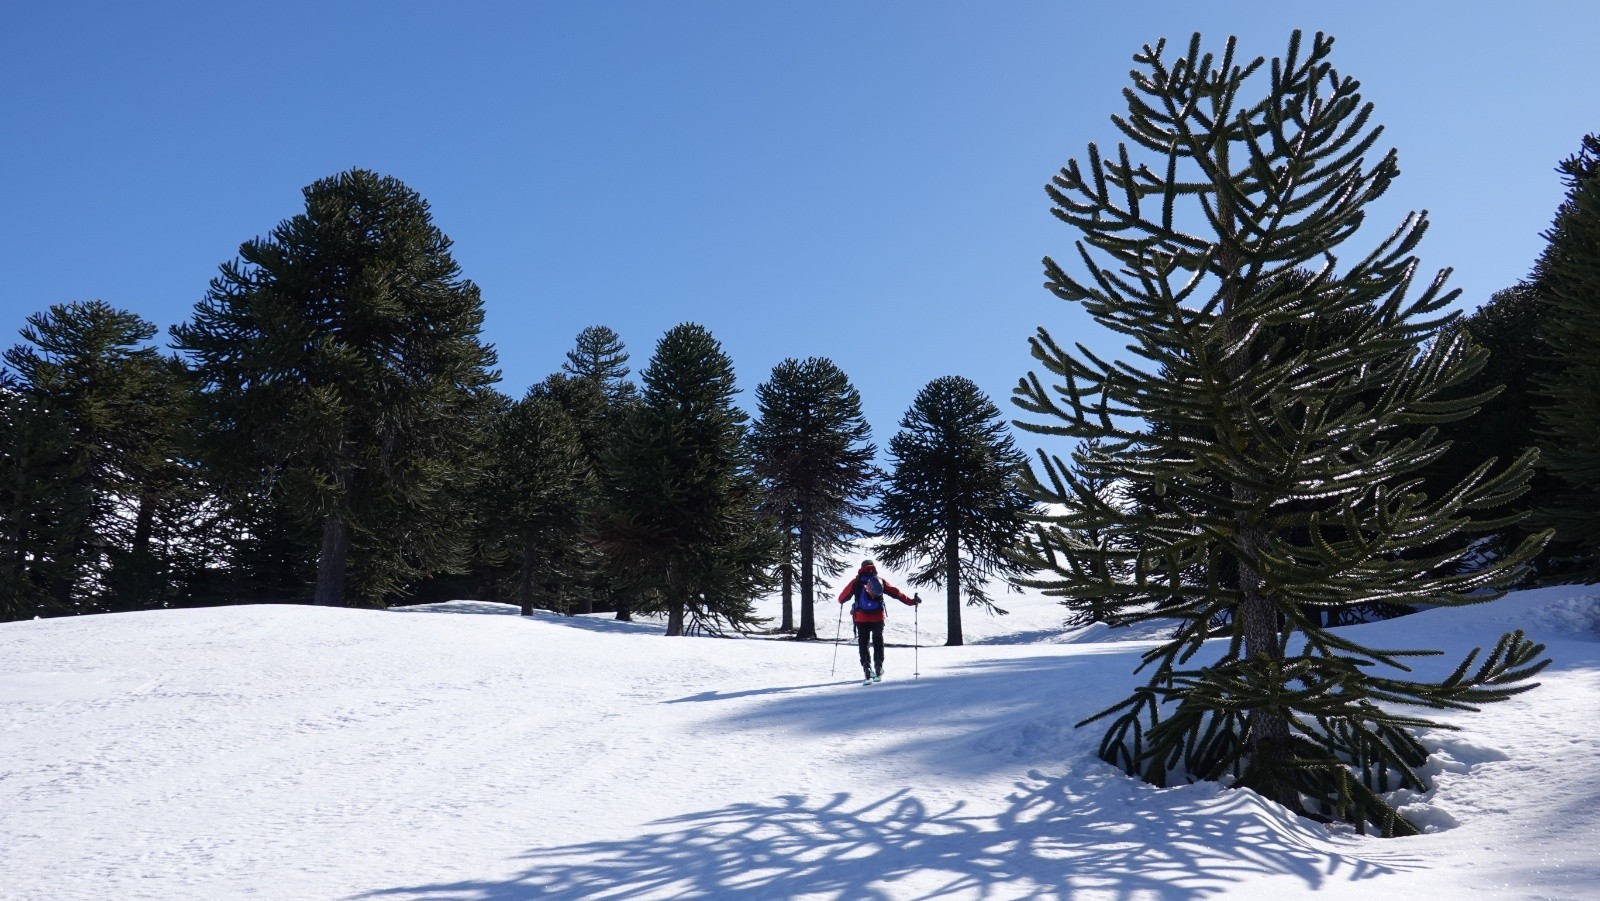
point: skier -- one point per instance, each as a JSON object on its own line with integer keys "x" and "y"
{"x": 867, "y": 613}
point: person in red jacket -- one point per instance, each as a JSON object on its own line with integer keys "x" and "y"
{"x": 868, "y": 590}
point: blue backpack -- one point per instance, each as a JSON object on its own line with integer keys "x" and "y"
{"x": 869, "y": 594}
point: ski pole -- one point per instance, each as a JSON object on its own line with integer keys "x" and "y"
{"x": 838, "y": 631}
{"x": 916, "y": 640}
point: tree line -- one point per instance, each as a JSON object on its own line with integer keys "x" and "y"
{"x": 328, "y": 431}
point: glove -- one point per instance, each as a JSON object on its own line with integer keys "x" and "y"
{"x": 916, "y": 599}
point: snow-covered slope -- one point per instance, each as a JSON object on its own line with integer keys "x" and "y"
{"x": 459, "y": 751}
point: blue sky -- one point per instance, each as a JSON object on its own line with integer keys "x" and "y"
{"x": 857, "y": 180}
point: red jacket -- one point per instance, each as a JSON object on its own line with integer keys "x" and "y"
{"x": 849, "y": 593}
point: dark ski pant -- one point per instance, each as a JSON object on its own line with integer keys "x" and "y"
{"x": 870, "y": 632}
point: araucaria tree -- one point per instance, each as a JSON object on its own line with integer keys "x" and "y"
{"x": 45, "y": 502}
{"x": 594, "y": 389}
{"x": 599, "y": 357}
{"x": 1566, "y": 282}
{"x": 124, "y": 407}
{"x": 1302, "y": 453}
{"x": 813, "y": 453}
{"x": 954, "y": 506}
{"x": 538, "y": 484}
{"x": 342, "y": 353}
{"x": 679, "y": 500}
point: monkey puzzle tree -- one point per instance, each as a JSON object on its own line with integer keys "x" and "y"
{"x": 1567, "y": 283}
{"x": 679, "y": 517}
{"x": 341, "y": 354}
{"x": 814, "y": 456}
{"x": 598, "y": 356}
{"x": 45, "y": 504}
{"x": 953, "y": 506}
{"x": 537, "y": 484}
{"x": 126, "y": 407}
{"x": 1290, "y": 465}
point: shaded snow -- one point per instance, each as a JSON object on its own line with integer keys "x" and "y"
{"x": 459, "y": 751}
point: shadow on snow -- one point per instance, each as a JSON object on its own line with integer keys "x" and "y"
{"x": 970, "y": 719}
{"x": 1052, "y": 838}
{"x": 705, "y": 696}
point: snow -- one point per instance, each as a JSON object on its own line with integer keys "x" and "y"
{"x": 459, "y": 751}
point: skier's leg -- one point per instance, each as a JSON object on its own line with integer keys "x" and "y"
{"x": 877, "y": 647}
{"x": 863, "y": 634}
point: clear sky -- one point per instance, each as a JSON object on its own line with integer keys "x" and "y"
{"x": 859, "y": 180}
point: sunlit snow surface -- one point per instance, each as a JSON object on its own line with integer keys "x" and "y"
{"x": 458, "y": 751}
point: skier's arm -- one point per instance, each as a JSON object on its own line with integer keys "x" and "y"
{"x": 894, "y": 592}
{"x": 848, "y": 591}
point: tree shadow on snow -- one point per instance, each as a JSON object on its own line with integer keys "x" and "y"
{"x": 1051, "y": 839}
{"x": 706, "y": 696}
{"x": 977, "y": 719}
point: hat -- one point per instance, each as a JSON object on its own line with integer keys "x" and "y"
{"x": 868, "y": 564}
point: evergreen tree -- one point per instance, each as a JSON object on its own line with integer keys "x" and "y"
{"x": 585, "y": 401}
{"x": 268, "y": 550}
{"x": 341, "y": 354}
{"x": 1508, "y": 328}
{"x": 125, "y": 406}
{"x": 680, "y": 514}
{"x": 601, "y": 359}
{"x": 954, "y": 506}
{"x": 597, "y": 361}
{"x": 813, "y": 454}
{"x": 542, "y": 477}
{"x": 1506, "y": 425}
{"x": 1086, "y": 609}
{"x": 580, "y": 559}
{"x": 1304, "y": 453}
{"x": 45, "y": 503}
{"x": 1567, "y": 283}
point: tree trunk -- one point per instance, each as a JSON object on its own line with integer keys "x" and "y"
{"x": 235, "y": 568}
{"x": 20, "y": 539}
{"x": 586, "y": 599}
{"x": 525, "y": 584}
{"x": 144, "y": 525}
{"x": 1267, "y": 731}
{"x": 808, "y": 553}
{"x": 677, "y": 602}
{"x": 787, "y": 571}
{"x": 61, "y": 588}
{"x": 331, "y": 562}
{"x": 138, "y": 585}
{"x": 623, "y": 601}
{"x": 952, "y": 588}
